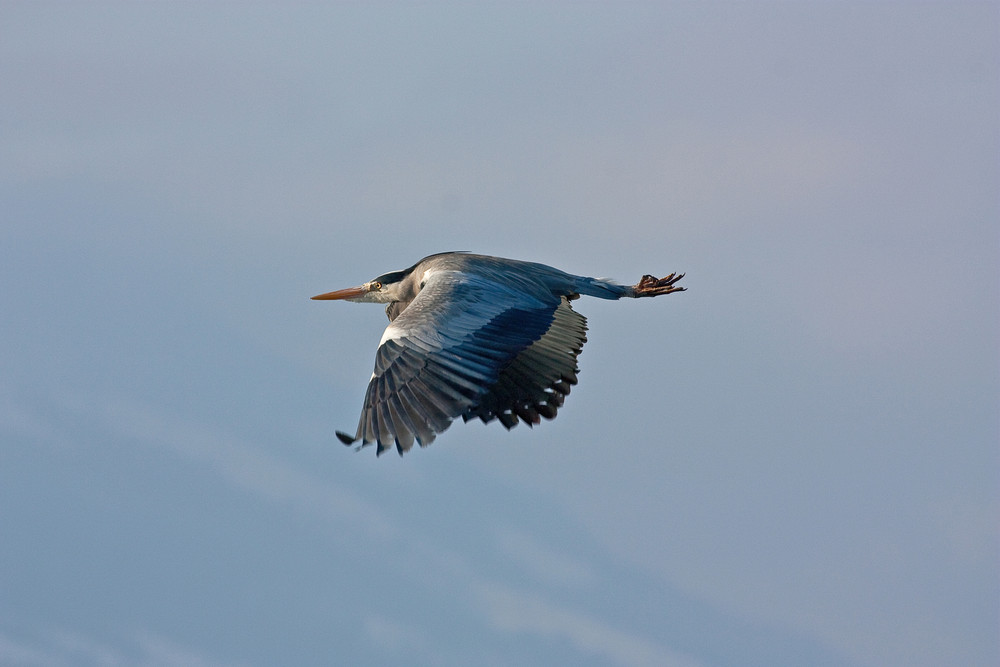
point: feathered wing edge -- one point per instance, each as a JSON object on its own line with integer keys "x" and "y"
{"x": 418, "y": 394}
{"x": 536, "y": 382}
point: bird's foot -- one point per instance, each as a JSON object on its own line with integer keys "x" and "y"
{"x": 653, "y": 286}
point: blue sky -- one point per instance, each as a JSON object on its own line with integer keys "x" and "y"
{"x": 794, "y": 462}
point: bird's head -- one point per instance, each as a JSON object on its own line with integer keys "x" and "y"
{"x": 386, "y": 288}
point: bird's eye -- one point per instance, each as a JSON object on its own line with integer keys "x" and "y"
{"x": 377, "y": 285}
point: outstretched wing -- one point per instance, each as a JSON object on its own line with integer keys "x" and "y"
{"x": 536, "y": 381}
{"x": 469, "y": 346}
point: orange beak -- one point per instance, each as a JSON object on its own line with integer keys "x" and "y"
{"x": 349, "y": 293}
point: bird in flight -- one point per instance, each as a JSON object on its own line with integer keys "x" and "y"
{"x": 474, "y": 336}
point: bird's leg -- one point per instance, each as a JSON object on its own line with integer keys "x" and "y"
{"x": 652, "y": 286}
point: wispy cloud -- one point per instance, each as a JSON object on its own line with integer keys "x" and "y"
{"x": 240, "y": 463}
{"x": 15, "y": 652}
{"x": 57, "y": 647}
{"x": 543, "y": 562}
{"x": 158, "y": 650}
{"x": 17, "y": 419}
{"x": 528, "y": 613}
{"x": 246, "y": 467}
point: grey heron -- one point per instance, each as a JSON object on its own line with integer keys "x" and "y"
{"x": 475, "y": 336}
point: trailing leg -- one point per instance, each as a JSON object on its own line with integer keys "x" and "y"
{"x": 652, "y": 286}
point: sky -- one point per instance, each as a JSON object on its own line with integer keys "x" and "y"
{"x": 793, "y": 462}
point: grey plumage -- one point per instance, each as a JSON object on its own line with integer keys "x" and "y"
{"x": 474, "y": 336}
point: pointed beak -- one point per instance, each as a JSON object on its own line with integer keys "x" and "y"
{"x": 349, "y": 293}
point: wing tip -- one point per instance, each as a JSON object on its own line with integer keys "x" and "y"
{"x": 346, "y": 439}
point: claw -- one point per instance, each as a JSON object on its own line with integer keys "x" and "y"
{"x": 651, "y": 286}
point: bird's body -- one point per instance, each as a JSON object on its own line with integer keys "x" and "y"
{"x": 474, "y": 336}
